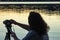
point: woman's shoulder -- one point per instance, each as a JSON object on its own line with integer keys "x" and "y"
{"x": 45, "y": 37}
{"x": 38, "y": 37}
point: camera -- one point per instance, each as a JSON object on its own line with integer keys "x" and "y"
{"x": 7, "y": 22}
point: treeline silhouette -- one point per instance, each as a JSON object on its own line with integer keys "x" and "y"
{"x": 31, "y": 6}
{"x": 49, "y": 7}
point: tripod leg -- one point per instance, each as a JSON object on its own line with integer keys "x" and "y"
{"x": 7, "y": 37}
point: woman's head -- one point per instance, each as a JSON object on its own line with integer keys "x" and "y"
{"x": 33, "y": 18}
{"x": 36, "y": 22}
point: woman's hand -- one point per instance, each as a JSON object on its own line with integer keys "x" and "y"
{"x": 13, "y": 21}
{"x": 14, "y": 36}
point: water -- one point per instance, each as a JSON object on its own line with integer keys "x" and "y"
{"x": 53, "y": 22}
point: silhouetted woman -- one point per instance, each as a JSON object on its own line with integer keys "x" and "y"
{"x": 38, "y": 29}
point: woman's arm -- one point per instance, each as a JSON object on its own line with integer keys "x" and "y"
{"x": 27, "y": 27}
{"x": 14, "y": 36}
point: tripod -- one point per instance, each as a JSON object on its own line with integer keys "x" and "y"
{"x": 9, "y": 30}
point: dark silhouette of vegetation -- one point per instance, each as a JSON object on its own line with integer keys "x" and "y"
{"x": 49, "y": 7}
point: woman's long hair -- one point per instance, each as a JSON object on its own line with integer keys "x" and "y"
{"x": 37, "y": 23}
